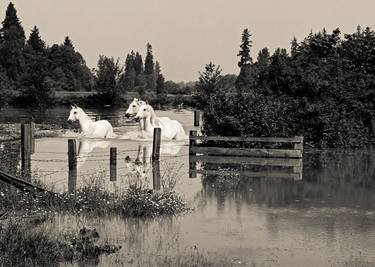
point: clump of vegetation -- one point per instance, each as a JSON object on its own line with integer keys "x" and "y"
{"x": 144, "y": 203}
{"x": 22, "y": 245}
{"x": 135, "y": 202}
{"x": 322, "y": 90}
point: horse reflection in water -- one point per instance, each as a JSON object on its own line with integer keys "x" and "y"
{"x": 139, "y": 170}
{"x": 87, "y": 146}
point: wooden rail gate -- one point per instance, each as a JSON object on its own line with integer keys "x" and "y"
{"x": 288, "y": 161}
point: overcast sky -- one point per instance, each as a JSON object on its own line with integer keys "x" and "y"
{"x": 186, "y": 35}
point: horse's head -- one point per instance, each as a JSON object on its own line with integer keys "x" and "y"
{"x": 75, "y": 113}
{"x": 133, "y": 108}
{"x": 145, "y": 111}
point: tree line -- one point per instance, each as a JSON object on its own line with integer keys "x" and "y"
{"x": 323, "y": 89}
{"x": 32, "y": 73}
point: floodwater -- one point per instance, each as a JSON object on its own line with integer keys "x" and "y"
{"x": 324, "y": 217}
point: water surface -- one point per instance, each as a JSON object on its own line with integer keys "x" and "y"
{"x": 325, "y": 218}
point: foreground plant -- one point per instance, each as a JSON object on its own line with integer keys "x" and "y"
{"x": 21, "y": 245}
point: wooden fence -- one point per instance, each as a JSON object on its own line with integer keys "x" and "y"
{"x": 288, "y": 161}
{"x": 198, "y": 152}
{"x": 295, "y": 152}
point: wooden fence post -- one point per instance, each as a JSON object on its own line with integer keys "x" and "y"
{"x": 192, "y": 142}
{"x": 298, "y": 169}
{"x": 72, "y": 163}
{"x": 144, "y": 155}
{"x": 113, "y": 164}
{"x": 144, "y": 124}
{"x": 32, "y": 137}
{"x": 156, "y": 174}
{"x": 98, "y": 117}
{"x": 156, "y": 159}
{"x": 299, "y": 145}
{"x": 26, "y": 149}
{"x": 156, "y": 144}
{"x": 192, "y": 164}
{"x": 196, "y": 117}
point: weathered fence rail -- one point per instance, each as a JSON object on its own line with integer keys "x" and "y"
{"x": 288, "y": 162}
{"x": 295, "y": 152}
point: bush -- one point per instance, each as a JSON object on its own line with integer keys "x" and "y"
{"x": 322, "y": 124}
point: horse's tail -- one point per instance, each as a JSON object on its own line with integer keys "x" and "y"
{"x": 110, "y": 133}
{"x": 181, "y": 135}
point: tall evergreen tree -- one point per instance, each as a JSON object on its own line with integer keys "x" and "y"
{"x": 149, "y": 61}
{"x": 149, "y": 68}
{"x": 244, "y": 53}
{"x": 247, "y": 77}
{"x": 127, "y": 79}
{"x": 12, "y": 43}
{"x": 157, "y": 70}
{"x": 35, "y": 41}
{"x": 68, "y": 42}
{"x": 293, "y": 46}
{"x": 138, "y": 64}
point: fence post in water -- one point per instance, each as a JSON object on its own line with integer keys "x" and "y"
{"x": 32, "y": 137}
{"x": 72, "y": 163}
{"x": 192, "y": 164}
{"x": 156, "y": 159}
{"x": 113, "y": 164}
{"x": 156, "y": 174}
{"x": 144, "y": 124}
{"x": 196, "y": 117}
{"x": 299, "y": 145}
{"x": 26, "y": 149}
{"x": 156, "y": 144}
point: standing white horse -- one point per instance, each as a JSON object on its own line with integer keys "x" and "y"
{"x": 89, "y": 128}
{"x": 170, "y": 129}
{"x": 134, "y": 108}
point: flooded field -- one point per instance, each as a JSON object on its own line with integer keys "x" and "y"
{"x": 325, "y": 217}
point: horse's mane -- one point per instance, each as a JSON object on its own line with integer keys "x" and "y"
{"x": 154, "y": 120}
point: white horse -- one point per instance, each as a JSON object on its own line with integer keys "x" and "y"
{"x": 170, "y": 129}
{"x": 134, "y": 108}
{"x": 89, "y": 128}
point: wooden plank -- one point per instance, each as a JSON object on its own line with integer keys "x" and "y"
{"x": 19, "y": 183}
{"x": 295, "y": 176}
{"x": 248, "y": 152}
{"x": 284, "y": 162}
{"x": 296, "y": 139}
